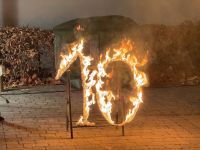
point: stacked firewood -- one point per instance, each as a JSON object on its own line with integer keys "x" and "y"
{"x": 20, "y": 50}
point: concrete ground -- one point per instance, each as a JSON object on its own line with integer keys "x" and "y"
{"x": 169, "y": 118}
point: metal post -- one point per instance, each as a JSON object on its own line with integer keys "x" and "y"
{"x": 70, "y": 110}
{"x": 123, "y": 115}
{"x": 1, "y": 88}
{"x": 123, "y": 131}
{"x": 1, "y": 84}
{"x": 67, "y": 108}
{"x": 2, "y": 71}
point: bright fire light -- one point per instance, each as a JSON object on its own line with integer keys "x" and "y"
{"x": 87, "y": 77}
{"x": 94, "y": 78}
{"x": 124, "y": 54}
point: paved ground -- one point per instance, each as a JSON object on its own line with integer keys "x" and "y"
{"x": 169, "y": 118}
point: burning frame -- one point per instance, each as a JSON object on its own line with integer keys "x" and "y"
{"x": 93, "y": 83}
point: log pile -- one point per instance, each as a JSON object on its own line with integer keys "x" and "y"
{"x": 20, "y": 51}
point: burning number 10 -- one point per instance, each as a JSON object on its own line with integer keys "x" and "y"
{"x": 94, "y": 78}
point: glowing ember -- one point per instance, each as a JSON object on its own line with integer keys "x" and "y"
{"x": 123, "y": 53}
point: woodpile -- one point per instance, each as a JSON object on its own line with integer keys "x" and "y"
{"x": 20, "y": 51}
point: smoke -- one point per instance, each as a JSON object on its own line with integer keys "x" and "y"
{"x": 48, "y": 13}
{"x": 159, "y": 11}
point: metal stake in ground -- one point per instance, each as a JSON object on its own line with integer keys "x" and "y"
{"x": 2, "y": 71}
{"x": 69, "y": 100}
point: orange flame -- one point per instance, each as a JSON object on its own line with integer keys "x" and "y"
{"x": 80, "y": 28}
{"x": 122, "y": 53}
{"x": 105, "y": 97}
{"x": 87, "y": 77}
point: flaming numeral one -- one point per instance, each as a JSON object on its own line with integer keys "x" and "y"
{"x": 87, "y": 78}
{"x": 104, "y": 97}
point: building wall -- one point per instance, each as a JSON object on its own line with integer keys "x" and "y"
{"x": 48, "y": 13}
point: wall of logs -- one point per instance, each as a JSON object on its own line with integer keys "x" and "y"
{"x": 27, "y": 55}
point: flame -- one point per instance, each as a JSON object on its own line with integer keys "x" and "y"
{"x": 94, "y": 78}
{"x": 104, "y": 97}
{"x": 79, "y": 28}
{"x": 87, "y": 77}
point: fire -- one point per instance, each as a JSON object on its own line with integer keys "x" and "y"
{"x": 80, "y": 28}
{"x": 94, "y": 79}
{"x": 124, "y": 54}
{"x": 87, "y": 77}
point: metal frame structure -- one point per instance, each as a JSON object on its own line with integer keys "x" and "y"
{"x": 5, "y": 99}
{"x": 69, "y": 120}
